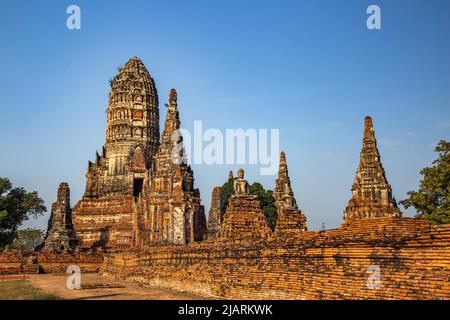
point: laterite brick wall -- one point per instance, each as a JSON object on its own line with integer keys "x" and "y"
{"x": 413, "y": 258}
{"x": 57, "y": 263}
{"x": 54, "y": 263}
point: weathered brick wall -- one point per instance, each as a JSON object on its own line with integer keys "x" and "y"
{"x": 104, "y": 222}
{"x": 58, "y": 263}
{"x": 10, "y": 260}
{"x": 55, "y": 263}
{"x": 244, "y": 219}
{"x": 414, "y": 260}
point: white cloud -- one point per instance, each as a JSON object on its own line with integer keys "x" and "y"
{"x": 391, "y": 143}
{"x": 335, "y": 124}
{"x": 443, "y": 124}
{"x": 433, "y": 144}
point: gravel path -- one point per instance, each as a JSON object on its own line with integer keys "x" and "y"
{"x": 96, "y": 287}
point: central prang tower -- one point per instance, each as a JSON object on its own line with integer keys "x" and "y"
{"x": 133, "y": 114}
{"x": 117, "y": 207}
{"x": 132, "y": 134}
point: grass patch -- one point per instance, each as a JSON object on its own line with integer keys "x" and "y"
{"x": 23, "y": 290}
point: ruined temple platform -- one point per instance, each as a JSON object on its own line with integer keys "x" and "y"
{"x": 411, "y": 255}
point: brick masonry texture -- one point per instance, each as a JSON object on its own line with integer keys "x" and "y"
{"x": 290, "y": 218}
{"x": 371, "y": 192}
{"x": 59, "y": 262}
{"x": 51, "y": 263}
{"x": 135, "y": 193}
{"x": 215, "y": 214}
{"x": 60, "y": 234}
{"x": 244, "y": 219}
{"x": 413, "y": 256}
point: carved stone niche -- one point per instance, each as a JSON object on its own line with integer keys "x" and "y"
{"x": 138, "y": 132}
{"x": 137, "y": 115}
{"x": 138, "y": 159}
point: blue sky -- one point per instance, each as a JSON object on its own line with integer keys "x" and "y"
{"x": 310, "y": 68}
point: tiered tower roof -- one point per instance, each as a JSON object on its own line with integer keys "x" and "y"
{"x": 133, "y": 114}
{"x": 283, "y": 194}
{"x": 371, "y": 192}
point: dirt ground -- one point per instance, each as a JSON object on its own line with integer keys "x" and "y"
{"x": 96, "y": 287}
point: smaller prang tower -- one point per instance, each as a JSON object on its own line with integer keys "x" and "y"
{"x": 60, "y": 234}
{"x": 290, "y": 217}
{"x": 215, "y": 214}
{"x": 175, "y": 213}
{"x": 371, "y": 192}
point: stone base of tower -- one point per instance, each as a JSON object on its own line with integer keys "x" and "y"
{"x": 244, "y": 219}
{"x": 105, "y": 222}
{"x": 60, "y": 240}
{"x": 213, "y": 231}
{"x": 290, "y": 220}
{"x": 173, "y": 221}
{"x": 357, "y": 211}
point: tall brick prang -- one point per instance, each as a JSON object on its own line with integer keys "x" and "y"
{"x": 215, "y": 214}
{"x": 371, "y": 192}
{"x": 175, "y": 214}
{"x": 137, "y": 192}
{"x": 290, "y": 217}
{"x": 60, "y": 234}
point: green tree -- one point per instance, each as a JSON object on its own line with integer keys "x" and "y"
{"x": 432, "y": 200}
{"x": 267, "y": 203}
{"x": 28, "y": 239}
{"x": 2, "y": 215}
{"x": 265, "y": 197}
{"x": 16, "y": 206}
{"x": 227, "y": 192}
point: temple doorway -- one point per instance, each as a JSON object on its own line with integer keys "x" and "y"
{"x": 137, "y": 186}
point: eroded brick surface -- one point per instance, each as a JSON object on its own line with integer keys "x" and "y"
{"x": 289, "y": 217}
{"x": 413, "y": 257}
{"x": 60, "y": 235}
{"x": 136, "y": 194}
{"x": 371, "y": 192}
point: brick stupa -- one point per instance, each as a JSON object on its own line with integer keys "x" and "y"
{"x": 290, "y": 217}
{"x": 371, "y": 192}
{"x": 60, "y": 235}
{"x": 244, "y": 218}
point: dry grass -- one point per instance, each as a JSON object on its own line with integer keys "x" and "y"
{"x": 23, "y": 290}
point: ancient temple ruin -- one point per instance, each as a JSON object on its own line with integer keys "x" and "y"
{"x": 60, "y": 234}
{"x": 371, "y": 192}
{"x": 135, "y": 194}
{"x": 140, "y": 195}
{"x": 174, "y": 215}
{"x": 140, "y": 190}
{"x": 215, "y": 214}
{"x": 244, "y": 218}
{"x": 290, "y": 217}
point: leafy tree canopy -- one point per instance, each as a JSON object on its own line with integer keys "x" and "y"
{"x": 28, "y": 239}
{"x": 432, "y": 200}
{"x": 16, "y": 206}
{"x": 265, "y": 197}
